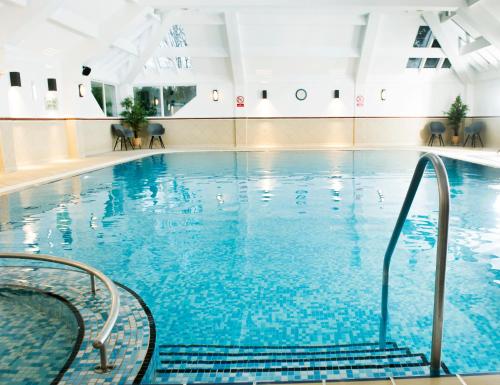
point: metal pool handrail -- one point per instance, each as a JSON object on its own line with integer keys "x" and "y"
{"x": 100, "y": 341}
{"x": 442, "y": 249}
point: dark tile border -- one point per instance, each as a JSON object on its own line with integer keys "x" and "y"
{"x": 152, "y": 335}
{"x": 296, "y": 360}
{"x": 79, "y": 321}
{"x": 282, "y": 347}
{"x": 281, "y": 354}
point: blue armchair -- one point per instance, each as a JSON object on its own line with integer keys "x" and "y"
{"x": 156, "y": 130}
{"x": 437, "y": 129}
{"x": 473, "y": 132}
{"x": 123, "y": 136}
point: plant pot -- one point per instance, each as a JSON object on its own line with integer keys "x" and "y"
{"x": 137, "y": 142}
{"x": 455, "y": 140}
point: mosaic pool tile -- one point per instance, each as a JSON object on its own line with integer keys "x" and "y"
{"x": 38, "y": 333}
{"x": 280, "y": 247}
{"x": 204, "y": 364}
{"x": 128, "y": 343}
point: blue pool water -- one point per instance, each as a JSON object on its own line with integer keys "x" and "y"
{"x": 37, "y": 336}
{"x": 280, "y": 248}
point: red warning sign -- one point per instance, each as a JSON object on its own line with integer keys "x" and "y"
{"x": 360, "y": 101}
{"x": 240, "y": 101}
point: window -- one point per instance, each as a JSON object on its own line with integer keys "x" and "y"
{"x": 414, "y": 62}
{"x": 98, "y": 92}
{"x": 176, "y": 97}
{"x": 423, "y": 37}
{"x": 177, "y": 38}
{"x": 164, "y": 101}
{"x": 105, "y": 96}
{"x": 150, "y": 99}
{"x": 431, "y": 62}
{"x": 435, "y": 44}
{"x": 110, "y": 98}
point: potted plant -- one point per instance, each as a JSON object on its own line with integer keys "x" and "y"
{"x": 134, "y": 115}
{"x": 456, "y": 114}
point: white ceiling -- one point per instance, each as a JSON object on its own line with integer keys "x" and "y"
{"x": 254, "y": 40}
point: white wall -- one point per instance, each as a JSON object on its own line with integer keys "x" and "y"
{"x": 29, "y": 100}
{"x": 410, "y": 97}
{"x": 414, "y": 95}
{"x": 204, "y": 106}
{"x": 487, "y": 109}
{"x": 487, "y": 97}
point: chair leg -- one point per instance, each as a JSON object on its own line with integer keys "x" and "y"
{"x": 480, "y": 141}
{"x": 151, "y": 142}
{"x": 116, "y": 144}
{"x": 431, "y": 140}
{"x": 125, "y": 142}
{"x": 441, "y": 141}
{"x": 466, "y": 140}
{"x": 474, "y": 141}
{"x": 161, "y": 142}
{"x": 131, "y": 145}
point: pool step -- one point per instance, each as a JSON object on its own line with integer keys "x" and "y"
{"x": 217, "y": 363}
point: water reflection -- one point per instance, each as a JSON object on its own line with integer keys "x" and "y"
{"x": 276, "y": 247}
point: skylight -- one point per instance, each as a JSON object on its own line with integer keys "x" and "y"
{"x": 425, "y": 39}
{"x": 431, "y": 62}
{"x": 446, "y": 63}
{"x": 177, "y": 38}
{"x": 414, "y": 62}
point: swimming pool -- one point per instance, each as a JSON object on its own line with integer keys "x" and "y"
{"x": 279, "y": 248}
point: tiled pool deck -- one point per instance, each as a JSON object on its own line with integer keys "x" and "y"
{"x": 128, "y": 343}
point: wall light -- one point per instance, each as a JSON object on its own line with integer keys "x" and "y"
{"x": 215, "y": 95}
{"x": 82, "y": 90}
{"x": 52, "y": 84}
{"x": 156, "y": 101}
{"x": 264, "y": 94}
{"x": 15, "y": 79}
{"x": 34, "y": 92}
{"x": 383, "y": 95}
{"x": 336, "y": 94}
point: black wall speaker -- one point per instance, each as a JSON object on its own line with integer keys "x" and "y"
{"x": 15, "y": 79}
{"x": 52, "y": 84}
{"x": 86, "y": 71}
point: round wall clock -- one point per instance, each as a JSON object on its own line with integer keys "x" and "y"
{"x": 301, "y": 94}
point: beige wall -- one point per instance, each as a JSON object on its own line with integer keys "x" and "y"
{"x": 491, "y": 134}
{"x": 394, "y": 131}
{"x": 95, "y": 136}
{"x": 29, "y": 142}
{"x": 210, "y": 133}
{"x": 32, "y": 142}
{"x": 296, "y": 132}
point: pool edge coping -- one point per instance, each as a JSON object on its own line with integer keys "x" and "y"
{"x": 441, "y": 151}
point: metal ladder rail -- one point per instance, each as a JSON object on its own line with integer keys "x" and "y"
{"x": 441, "y": 252}
{"x": 100, "y": 341}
